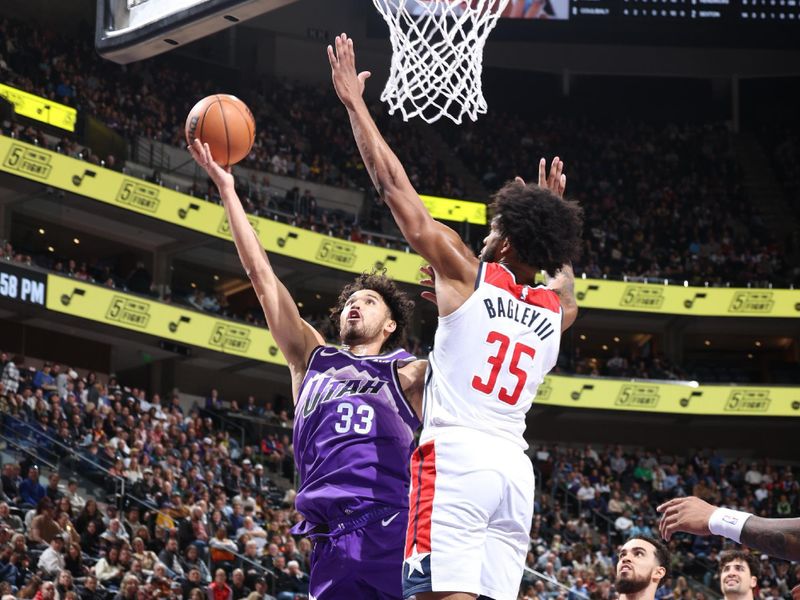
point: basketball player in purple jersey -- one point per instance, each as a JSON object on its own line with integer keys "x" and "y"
{"x": 356, "y": 411}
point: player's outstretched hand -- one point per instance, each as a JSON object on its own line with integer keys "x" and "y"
{"x": 687, "y": 515}
{"x": 796, "y": 592}
{"x": 348, "y": 83}
{"x": 201, "y": 153}
{"x": 555, "y": 180}
{"x": 430, "y": 281}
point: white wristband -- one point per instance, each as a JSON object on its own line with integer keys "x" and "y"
{"x": 728, "y": 523}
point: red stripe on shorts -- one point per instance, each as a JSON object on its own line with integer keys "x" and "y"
{"x": 423, "y": 477}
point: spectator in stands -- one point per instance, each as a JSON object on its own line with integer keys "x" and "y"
{"x": 65, "y": 583}
{"x": 129, "y": 589}
{"x": 219, "y": 590}
{"x": 11, "y": 481}
{"x": 108, "y": 569}
{"x": 170, "y": 558}
{"x": 43, "y": 526}
{"x": 8, "y": 519}
{"x": 237, "y": 585}
{"x": 30, "y": 490}
{"x": 292, "y": 581}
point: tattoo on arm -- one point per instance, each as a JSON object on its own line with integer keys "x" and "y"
{"x": 780, "y": 538}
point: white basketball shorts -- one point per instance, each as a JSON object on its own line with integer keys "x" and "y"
{"x": 471, "y": 506}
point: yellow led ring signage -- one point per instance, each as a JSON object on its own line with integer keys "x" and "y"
{"x": 40, "y": 109}
{"x": 449, "y": 209}
{"x": 679, "y": 398}
{"x": 165, "y": 321}
{"x": 130, "y": 193}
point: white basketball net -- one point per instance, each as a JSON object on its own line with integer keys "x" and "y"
{"x": 437, "y": 56}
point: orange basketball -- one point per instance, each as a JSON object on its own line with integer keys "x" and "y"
{"x": 224, "y": 123}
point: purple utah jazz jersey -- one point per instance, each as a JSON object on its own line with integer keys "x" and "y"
{"x": 353, "y": 435}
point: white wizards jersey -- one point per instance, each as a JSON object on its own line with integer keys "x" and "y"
{"x": 490, "y": 355}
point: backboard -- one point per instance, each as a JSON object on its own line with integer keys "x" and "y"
{"x": 130, "y": 30}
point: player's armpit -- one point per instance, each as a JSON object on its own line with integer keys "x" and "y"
{"x": 412, "y": 382}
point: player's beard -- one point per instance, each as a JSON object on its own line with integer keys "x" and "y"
{"x": 633, "y": 584}
{"x": 358, "y": 332}
{"x": 489, "y": 252}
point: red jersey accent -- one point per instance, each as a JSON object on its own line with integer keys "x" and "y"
{"x": 498, "y": 276}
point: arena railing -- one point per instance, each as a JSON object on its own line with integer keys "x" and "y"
{"x": 22, "y": 448}
{"x": 69, "y": 456}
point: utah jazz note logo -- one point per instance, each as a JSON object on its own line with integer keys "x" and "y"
{"x": 685, "y": 402}
{"x": 77, "y": 180}
{"x": 66, "y": 299}
{"x": 380, "y": 265}
{"x": 690, "y": 302}
{"x": 592, "y": 288}
{"x": 174, "y": 325}
{"x": 186, "y": 210}
{"x": 576, "y": 395}
{"x": 283, "y": 239}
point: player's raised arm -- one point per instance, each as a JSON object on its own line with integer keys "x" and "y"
{"x": 295, "y": 338}
{"x": 438, "y": 244}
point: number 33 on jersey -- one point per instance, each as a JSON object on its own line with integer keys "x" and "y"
{"x": 491, "y": 354}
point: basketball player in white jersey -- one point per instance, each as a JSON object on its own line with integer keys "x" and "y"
{"x": 471, "y": 501}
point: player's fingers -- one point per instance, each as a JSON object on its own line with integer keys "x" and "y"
{"x": 562, "y": 185}
{"x": 519, "y": 179}
{"x": 331, "y": 56}
{"x": 364, "y": 75}
{"x": 426, "y": 281}
{"x": 542, "y": 173}
{"x": 338, "y": 44}
{"x": 560, "y": 170}
{"x": 553, "y": 170}
{"x": 429, "y": 296}
{"x": 669, "y": 503}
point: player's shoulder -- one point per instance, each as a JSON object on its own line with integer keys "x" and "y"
{"x": 499, "y": 276}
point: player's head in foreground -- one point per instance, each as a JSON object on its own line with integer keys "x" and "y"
{"x": 738, "y": 574}
{"x": 642, "y": 566}
{"x": 371, "y": 309}
{"x": 533, "y": 227}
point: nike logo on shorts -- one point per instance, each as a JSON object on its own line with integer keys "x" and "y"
{"x": 385, "y": 522}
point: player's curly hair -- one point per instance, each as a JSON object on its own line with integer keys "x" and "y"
{"x": 400, "y": 305}
{"x": 544, "y": 230}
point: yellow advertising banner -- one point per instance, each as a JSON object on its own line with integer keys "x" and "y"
{"x": 678, "y": 398}
{"x": 132, "y": 194}
{"x": 449, "y": 209}
{"x": 186, "y": 326}
{"x": 164, "y": 321}
{"x": 40, "y": 109}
